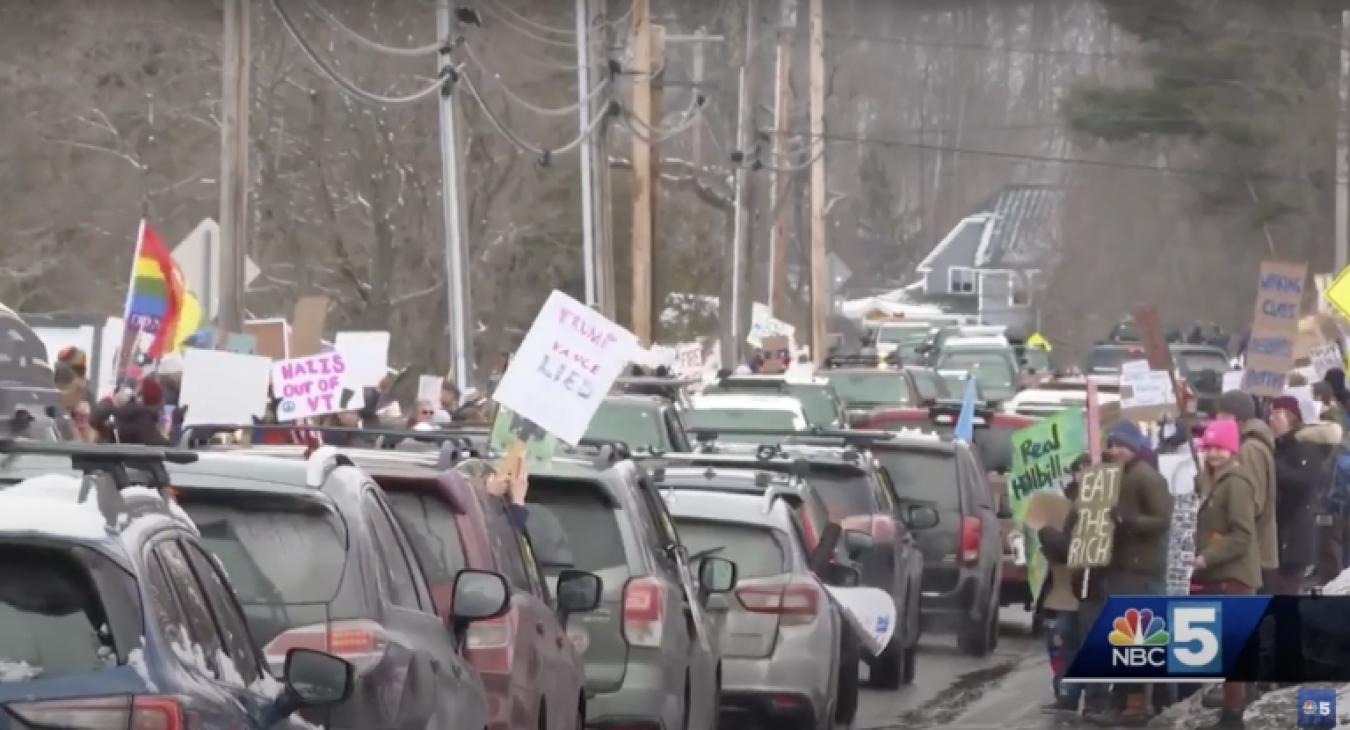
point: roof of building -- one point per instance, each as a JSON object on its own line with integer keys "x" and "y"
{"x": 1025, "y": 221}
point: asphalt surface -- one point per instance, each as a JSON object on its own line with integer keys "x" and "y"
{"x": 1005, "y": 690}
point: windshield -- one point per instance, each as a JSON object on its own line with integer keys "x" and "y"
{"x": 1036, "y": 359}
{"x": 846, "y": 492}
{"x": 756, "y": 551}
{"x": 573, "y": 525}
{"x": 738, "y": 419}
{"x": 634, "y": 424}
{"x": 931, "y": 385}
{"x": 431, "y": 527}
{"x": 991, "y": 369}
{"x": 1109, "y": 359}
{"x": 1198, "y": 362}
{"x": 894, "y": 335}
{"x": 924, "y": 476}
{"x": 278, "y": 594}
{"x": 872, "y": 388}
{"x": 52, "y": 622}
{"x": 819, "y": 403}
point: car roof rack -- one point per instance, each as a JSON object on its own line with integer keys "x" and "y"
{"x": 777, "y": 383}
{"x": 605, "y": 453}
{"x": 876, "y": 362}
{"x": 385, "y": 438}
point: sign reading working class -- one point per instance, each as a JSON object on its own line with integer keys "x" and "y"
{"x": 309, "y": 386}
{"x": 1270, "y": 351}
{"x": 564, "y": 367}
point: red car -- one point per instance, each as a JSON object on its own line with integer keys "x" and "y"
{"x": 532, "y": 672}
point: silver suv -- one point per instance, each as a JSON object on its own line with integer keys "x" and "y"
{"x": 650, "y": 647}
{"x": 781, "y": 636}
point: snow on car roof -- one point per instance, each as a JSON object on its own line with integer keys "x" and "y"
{"x": 47, "y": 505}
{"x": 747, "y": 402}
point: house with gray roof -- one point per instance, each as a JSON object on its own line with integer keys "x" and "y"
{"x": 991, "y": 263}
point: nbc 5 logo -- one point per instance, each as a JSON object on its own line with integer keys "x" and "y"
{"x": 1140, "y": 639}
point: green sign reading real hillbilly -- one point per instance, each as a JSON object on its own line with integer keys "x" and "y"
{"x": 1041, "y": 455}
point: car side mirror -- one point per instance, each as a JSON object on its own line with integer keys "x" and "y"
{"x": 313, "y": 679}
{"x": 716, "y": 575}
{"x": 578, "y": 591}
{"x": 478, "y": 595}
{"x": 920, "y": 517}
{"x": 857, "y": 543}
{"x": 841, "y": 576}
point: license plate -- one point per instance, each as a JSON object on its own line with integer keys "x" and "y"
{"x": 1324, "y": 521}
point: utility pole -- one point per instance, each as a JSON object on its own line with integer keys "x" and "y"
{"x": 643, "y": 187}
{"x": 1343, "y": 150}
{"x": 787, "y": 22}
{"x": 234, "y": 173}
{"x": 603, "y": 221}
{"x": 586, "y": 154}
{"x": 458, "y": 296}
{"x": 658, "y": 114}
{"x": 698, "y": 71}
{"x": 820, "y": 286}
{"x": 734, "y": 321}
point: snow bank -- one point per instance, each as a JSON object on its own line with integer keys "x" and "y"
{"x": 20, "y": 671}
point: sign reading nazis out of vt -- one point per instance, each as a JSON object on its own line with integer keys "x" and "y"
{"x": 1095, "y": 530}
{"x": 1270, "y": 351}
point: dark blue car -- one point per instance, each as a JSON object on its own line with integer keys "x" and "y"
{"x": 113, "y": 615}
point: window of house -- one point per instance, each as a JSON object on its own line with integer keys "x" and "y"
{"x": 1019, "y": 290}
{"x": 961, "y": 280}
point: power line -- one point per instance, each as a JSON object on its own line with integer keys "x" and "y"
{"x": 506, "y": 20}
{"x": 516, "y": 97}
{"x": 416, "y": 52}
{"x": 545, "y": 154}
{"x": 557, "y": 30}
{"x": 652, "y": 135}
{"x": 337, "y": 78}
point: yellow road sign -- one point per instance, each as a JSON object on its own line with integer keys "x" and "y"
{"x": 1338, "y": 293}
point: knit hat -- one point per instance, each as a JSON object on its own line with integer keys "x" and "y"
{"x": 1287, "y": 403}
{"x": 75, "y": 358}
{"x": 152, "y": 393}
{"x": 1125, "y": 433}
{"x": 1221, "y": 434}
{"x": 1237, "y": 404}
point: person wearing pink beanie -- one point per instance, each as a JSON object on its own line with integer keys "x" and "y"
{"x": 1227, "y": 551}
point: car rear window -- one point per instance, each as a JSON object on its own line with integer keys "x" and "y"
{"x": 756, "y": 551}
{"x": 714, "y": 418}
{"x": 1194, "y": 363}
{"x": 926, "y": 476}
{"x": 430, "y": 526}
{"x": 819, "y": 404}
{"x": 991, "y": 369}
{"x": 846, "y": 492}
{"x": 637, "y": 426}
{"x": 52, "y": 619}
{"x": 285, "y": 558}
{"x": 577, "y": 527}
{"x": 1109, "y": 359}
{"x": 882, "y": 388}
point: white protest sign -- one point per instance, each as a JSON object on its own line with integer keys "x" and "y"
{"x": 871, "y": 612}
{"x": 310, "y": 386}
{"x": 223, "y": 387}
{"x": 429, "y": 389}
{"x": 1132, "y": 369}
{"x": 1232, "y": 380}
{"x": 564, "y": 367}
{"x": 689, "y": 360}
{"x": 366, "y": 356}
{"x": 763, "y": 324}
{"x": 1325, "y": 357}
{"x": 1150, "y": 388}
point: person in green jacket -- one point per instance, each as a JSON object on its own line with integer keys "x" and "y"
{"x": 1227, "y": 542}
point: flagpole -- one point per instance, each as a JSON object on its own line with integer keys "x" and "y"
{"x": 123, "y": 352}
{"x": 131, "y": 281}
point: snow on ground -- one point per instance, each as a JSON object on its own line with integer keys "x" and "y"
{"x": 20, "y": 671}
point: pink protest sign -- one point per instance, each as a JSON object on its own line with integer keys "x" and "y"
{"x": 309, "y": 386}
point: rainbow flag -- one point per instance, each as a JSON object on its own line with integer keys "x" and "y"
{"x": 159, "y": 304}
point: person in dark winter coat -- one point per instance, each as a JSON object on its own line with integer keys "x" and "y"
{"x": 1302, "y": 455}
{"x": 137, "y": 422}
{"x": 1257, "y": 456}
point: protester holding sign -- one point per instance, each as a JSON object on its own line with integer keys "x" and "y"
{"x": 1228, "y": 561}
{"x": 1256, "y": 454}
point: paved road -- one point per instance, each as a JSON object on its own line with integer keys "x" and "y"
{"x": 1004, "y": 690}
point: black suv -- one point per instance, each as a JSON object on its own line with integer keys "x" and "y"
{"x": 962, "y": 551}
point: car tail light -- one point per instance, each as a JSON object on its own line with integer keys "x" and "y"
{"x": 360, "y": 642}
{"x": 488, "y": 643}
{"x": 644, "y": 609}
{"x": 795, "y": 603}
{"x": 886, "y": 418}
{"x": 970, "y": 539}
{"x": 125, "y": 712}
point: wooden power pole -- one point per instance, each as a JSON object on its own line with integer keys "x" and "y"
{"x": 234, "y": 174}
{"x": 643, "y": 184}
{"x": 787, "y": 21}
{"x": 820, "y": 286}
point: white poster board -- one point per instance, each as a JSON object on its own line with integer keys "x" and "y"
{"x": 763, "y": 324}
{"x": 871, "y": 612}
{"x": 310, "y": 386}
{"x": 565, "y": 367}
{"x": 429, "y": 389}
{"x": 1232, "y": 380}
{"x": 366, "y": 355}
{"x": 1325, "y": 357}
{"x": 223, "y": 387}
{"x": 689, "y": 360}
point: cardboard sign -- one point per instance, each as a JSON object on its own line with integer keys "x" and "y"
{"x": 565, "y": 366}
{"x": 1325, "y": 357}
{"x": 1095, "y": 531}
{"x": 1270, "y": 350}
{"x": 871, "y": 613}
{"x": 1047, "y": 509}
{"x": 510, "y": 430}
{"x": 777, "y": 354}
{"x": 429, "y": 389}
{"x": 366, "y": 355}
{"x": 308, "y": 319}
{"x": 311, "y": 386}
{"x": 273, "y": 337}
{"x": 223, "y": 387}
{"x": 1155, "y": 345}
